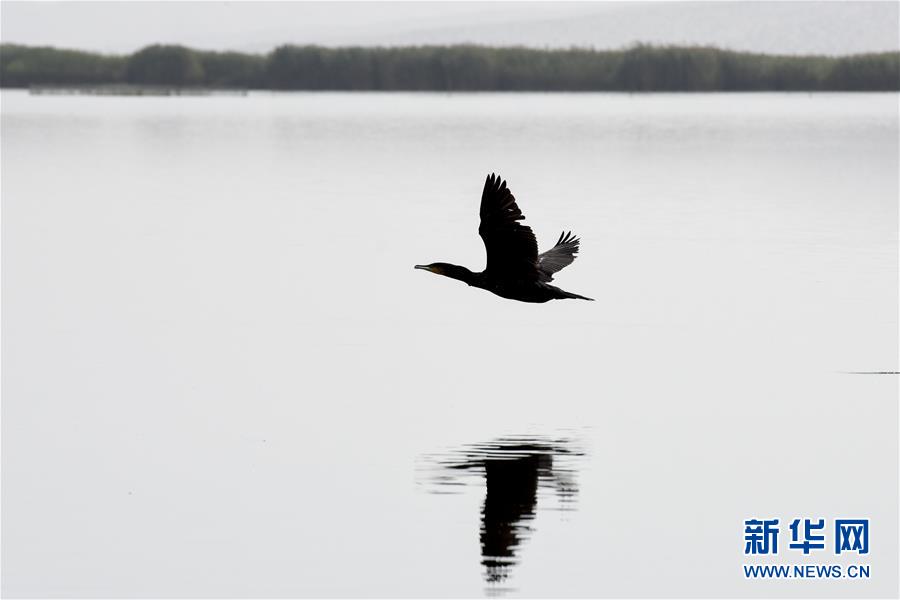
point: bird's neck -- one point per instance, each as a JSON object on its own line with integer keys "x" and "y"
{"x": 461, "y": 273}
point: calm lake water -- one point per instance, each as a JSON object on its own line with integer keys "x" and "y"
{"x": 223, "y": 377}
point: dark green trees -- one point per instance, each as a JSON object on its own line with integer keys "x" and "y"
{"x": 22, "y": 66}
{"x": 640, "y": 68}
{"x": 164, "y": 65}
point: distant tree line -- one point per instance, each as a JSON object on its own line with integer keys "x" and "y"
{"x": 453, "y": 68}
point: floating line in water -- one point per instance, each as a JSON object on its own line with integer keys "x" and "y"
{"x": 871, "y": 372}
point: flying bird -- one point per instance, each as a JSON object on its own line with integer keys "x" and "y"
{"x": 514, "y": 268}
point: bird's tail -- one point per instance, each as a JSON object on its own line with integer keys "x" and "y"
{"x": 564, "y": 294}
{"x": 558, "y": 294}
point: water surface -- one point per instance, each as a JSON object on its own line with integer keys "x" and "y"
{"x": 223, "y": 377}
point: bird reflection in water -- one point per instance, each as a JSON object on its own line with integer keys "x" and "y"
{"x": 517, "y": 472}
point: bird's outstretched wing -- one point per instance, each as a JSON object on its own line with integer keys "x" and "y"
{"x": 559, "y": 256}
{"x": 511, "y": 246}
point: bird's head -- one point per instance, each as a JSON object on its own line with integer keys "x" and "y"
{"x": 448, "y": 270}
{"x": 436, "y": 268}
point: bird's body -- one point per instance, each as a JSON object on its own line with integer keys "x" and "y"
{"x": 514, "y": 268}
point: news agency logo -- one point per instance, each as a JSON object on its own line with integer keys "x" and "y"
{"x": 807, "y": 537}
{"x": 850, "y": 535}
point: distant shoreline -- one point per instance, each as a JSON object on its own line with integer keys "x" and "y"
{"x": 178, "y": 70}
{"x": 131, "y": 90}
{"x": 138, "y": 91}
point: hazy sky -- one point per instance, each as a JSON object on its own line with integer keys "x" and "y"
{"x": 787, "y": 27}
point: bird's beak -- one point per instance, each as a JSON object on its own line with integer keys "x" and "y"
{"x": 424, "y": 267}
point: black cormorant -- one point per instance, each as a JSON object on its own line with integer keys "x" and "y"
{"x": 514, "y": 268}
